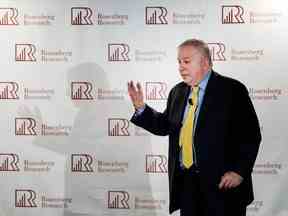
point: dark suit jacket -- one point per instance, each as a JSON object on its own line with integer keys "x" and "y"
{"x": 227, "y": 136}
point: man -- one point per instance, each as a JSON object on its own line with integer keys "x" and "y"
{"x": 214, "y": 136}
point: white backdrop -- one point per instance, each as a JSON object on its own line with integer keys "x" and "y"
{"x": 67, "y": 146}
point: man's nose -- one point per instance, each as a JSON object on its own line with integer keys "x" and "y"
{"x": 180, "y": 66}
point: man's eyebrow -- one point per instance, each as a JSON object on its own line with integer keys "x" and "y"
{"x": 185, "y": 58}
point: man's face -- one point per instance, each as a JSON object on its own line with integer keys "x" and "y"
{"x": 191, "y": 63}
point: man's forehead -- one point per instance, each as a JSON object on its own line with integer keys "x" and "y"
{"x": 186, "y": 52}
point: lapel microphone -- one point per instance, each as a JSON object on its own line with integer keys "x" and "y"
{"x": 190, "y": 101}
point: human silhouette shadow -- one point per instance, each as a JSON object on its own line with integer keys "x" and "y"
{"x": 89, "y": 135}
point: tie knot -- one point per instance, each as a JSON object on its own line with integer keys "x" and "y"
{"x": 195, "y": 88}
{"x": 194, "y": 96}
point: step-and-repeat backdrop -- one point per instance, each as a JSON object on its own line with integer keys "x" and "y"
{"x": 67, "y": 146}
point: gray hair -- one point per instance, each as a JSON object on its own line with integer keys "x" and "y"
{"x": 201, "y": 46}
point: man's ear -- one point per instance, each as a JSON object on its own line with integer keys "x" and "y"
{"x": 204, "y": 62}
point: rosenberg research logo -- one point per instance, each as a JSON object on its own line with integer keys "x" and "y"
{"x": 81, "y": 163}
{"x": 25, "y": 199}
{"x": 86, "y": 163}
{"x": 25, "y": 126}
{"x": 217, "y": 51}
{"x": 156, "y": 16}
{"x": 118, "y": 52}
{"x": 121, "y": 127}
{"x": 156, "y": 90}
{"x": 38, "y": 166}
{"x": 159, "y": 16}
{"x": 9, "y": 91}
{"x": 85, "y": 16}
{"x": 156, "y": 164}
{"x": 8, "y": 16}
{"x": 25, "y": 52}
{"x": 248, "y": 54}
{"x": 265, "y": 94}
{"x": 9, "y": 162}
{"x": 81, "y": 91}
{"x": 118, "y": 200}
{"x": 28, "y": 126}
{"x": 268, "y": 168}
{"x": 81, "y": 16}
{"x": 118, "y": 127}
{"x": 232, "y": 14}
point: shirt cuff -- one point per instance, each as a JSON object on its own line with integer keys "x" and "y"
{"x": 139, "y": 111}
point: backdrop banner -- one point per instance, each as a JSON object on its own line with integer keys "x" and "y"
{"x": 67, "y": 145}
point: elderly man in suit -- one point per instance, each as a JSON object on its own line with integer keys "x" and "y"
{"x": 214, "y": 136}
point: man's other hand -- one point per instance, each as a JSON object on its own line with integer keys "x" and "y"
{"x": 230, "y": 180}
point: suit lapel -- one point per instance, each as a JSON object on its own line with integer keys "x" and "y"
{"x": 209, "y": 97}
{"x": 181, "y": 104}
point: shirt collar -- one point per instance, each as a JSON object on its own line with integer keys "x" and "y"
{"x": 203, "y": 83}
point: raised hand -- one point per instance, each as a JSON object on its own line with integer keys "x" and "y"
{"x": 136, "y": 94}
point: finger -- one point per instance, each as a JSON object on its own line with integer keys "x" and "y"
{"x": 227, "y": 183}
{"x": 133, "y": 87}
{"x": 132, "y": 96}
{"x": 221, "y": 185}
{"x": 129, "y": 84}
{"x": 140, "y": 91}
{"x": 129, "y": 87}
{"x": 230, "y": 184}
{"x": 139, "y": 87}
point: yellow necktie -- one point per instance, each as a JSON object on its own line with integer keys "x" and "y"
{"x": 186, "y": 133}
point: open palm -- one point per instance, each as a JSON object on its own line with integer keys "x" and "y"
{"x": 136, "y": 94}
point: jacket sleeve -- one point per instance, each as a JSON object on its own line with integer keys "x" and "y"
{"x": 245, "y": 132}
{"x": 154, "y": 121}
